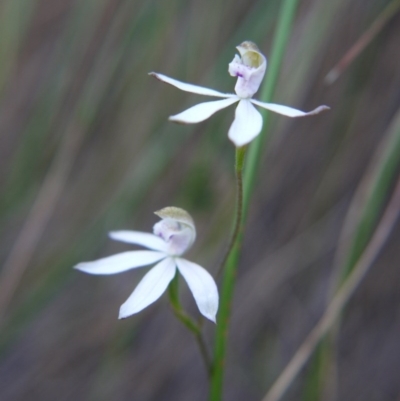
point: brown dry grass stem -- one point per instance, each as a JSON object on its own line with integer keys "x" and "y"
{"x": 339, "y": 301}
{"x": 366, "y": 38}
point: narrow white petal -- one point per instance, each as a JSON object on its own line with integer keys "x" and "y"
{"x": 120, "y": 262}
{"x": 150, "y": 288}
{"x": 148, "y": 240}
{"x": 202, "y": 286}
{"x": 200, "y": 90}
{"x": 202, "y": 111}
{"x": 246, "y": 125}
{"x": 288, "y": 111}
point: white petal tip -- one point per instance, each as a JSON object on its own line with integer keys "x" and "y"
{"x": 123, "y": 314}
{"x": 83, "y": 267}
{"x": 317, "y": 111}
{"x": 177, "y": 120}
{"x": 321, "y": 108}
{"x": 212, "y": 318}
{"x": 157, "y": 76}
{"x": 126, "y": 311}
{"x": 86, "y": 268}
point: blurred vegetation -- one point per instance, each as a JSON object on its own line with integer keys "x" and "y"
{"x": 86, "y": 148}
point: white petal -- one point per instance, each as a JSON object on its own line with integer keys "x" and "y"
{"x": 202, "y": 286}
{"x": 200, "y": 90}
{"x": 120, "y": 262}
{"x": 246, "y": 125}
{"x": 288, "y": 111}
{"x": 202, "y": 111}
{"x": 150, "y": 241}
{"x": 150, "y": 288}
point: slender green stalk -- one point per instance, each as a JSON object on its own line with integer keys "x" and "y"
{"x": 187, "y": 321}
{"x": 228, "y": 285}
{"x": 240, "y": 156}
{"x": 245, "y": 189}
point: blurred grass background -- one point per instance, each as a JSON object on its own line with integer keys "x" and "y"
{"x": 86, "y": 148}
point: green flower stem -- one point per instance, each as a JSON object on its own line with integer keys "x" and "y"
{"x": 187, "y": 321}
{"x": 240, "y": 156}
{"x": 245, "y": 189}
{"x": 228, "y": 284}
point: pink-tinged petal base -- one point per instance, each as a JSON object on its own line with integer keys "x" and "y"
{"x": 202, "y": 286}
{"x": 246, "y": 125}
{"x": 150, "y": 288}
{"x": 202, "y": 111}
{"x": 288, "y": 111}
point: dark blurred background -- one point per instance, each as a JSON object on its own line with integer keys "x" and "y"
{"x": 86, "y": 148}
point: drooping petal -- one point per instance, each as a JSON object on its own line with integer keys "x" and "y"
{"x": 288, "y": 111}
{"x": 120, "y": 262}
{"x": 246, "y": 125}
{"x": 200, "y": 90}
{"x": 202, "y": 286}
{"x": 202, "y": 111}
{"x": 150, "y": 288}
{"x": 147, "y": 240}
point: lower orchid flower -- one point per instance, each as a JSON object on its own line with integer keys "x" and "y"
{"x": 172, "y": 237}
{"x": 249, "y": 69}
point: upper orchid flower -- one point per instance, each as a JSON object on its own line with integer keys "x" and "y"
{"x": 172, "y": 237}
{"x": 249, "y": 68}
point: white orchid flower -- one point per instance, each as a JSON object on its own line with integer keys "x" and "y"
{"x": 249, "y": 68}
{"x": 172, "y": 237}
